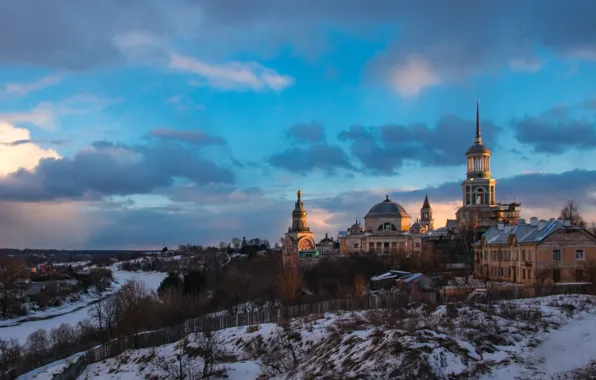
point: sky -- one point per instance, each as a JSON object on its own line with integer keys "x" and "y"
{"x": 127, "y": 125}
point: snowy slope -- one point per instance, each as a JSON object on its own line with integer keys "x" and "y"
{"x": 538, "y": 338}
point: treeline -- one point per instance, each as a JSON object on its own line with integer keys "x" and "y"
{"x": 19, "y": 287}
{"x": 248, "y": 284}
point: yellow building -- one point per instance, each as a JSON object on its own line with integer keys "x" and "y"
{"x": 538, "y": 251}
{"x": 386, "y": 230}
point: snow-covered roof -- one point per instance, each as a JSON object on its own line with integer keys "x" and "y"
{"x": 412, "y": 277}
{"x": 525, "y": 233}
{"x": 395, "y": 274}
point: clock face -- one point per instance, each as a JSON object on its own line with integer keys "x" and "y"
{"x": 305, "y": 245}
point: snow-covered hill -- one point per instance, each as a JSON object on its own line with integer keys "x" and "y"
{"x": 538, "y": 338}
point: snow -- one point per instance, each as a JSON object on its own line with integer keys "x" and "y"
{"x": 571, "y": 347}
{"x": 47, "y": 372}
{"x": 532, "y": 339}
{"x": 75, "y": 312}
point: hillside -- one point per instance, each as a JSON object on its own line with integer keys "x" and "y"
{"x": 542, "y": 338}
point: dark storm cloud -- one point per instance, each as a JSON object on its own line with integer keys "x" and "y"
{"x": 309, "y": 150}
{"x": 111, "y": 169}
{"x": 559, "y": 129}
{"x": 385, "y": 149}
{"x": 536, "y": 190}
{"x": 145, "y": 227}
{"x": 77, "y": 35}
{"x": 458, "y": 37}
{"x": 73, "y": 34}
{"x": 196, "y": 137}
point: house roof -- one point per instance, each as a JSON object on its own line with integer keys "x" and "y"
{"x": 525, "y": 233}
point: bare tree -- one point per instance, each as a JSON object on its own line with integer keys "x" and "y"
{"x": 571, "y": 212}
{"x": 543, "y": 275}
{"x": 10, "y": 353}
{"x": 592, "y": 228}
{"x": 11, "y": 270}
{"x": 236, "y": 243}
{"x": 289, "y": 283}
{"x": 62, "y": 337}
{"x": 468, "y": 234}
{"x": 38, "y": 344}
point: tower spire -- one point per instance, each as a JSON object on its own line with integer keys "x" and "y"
{"x": 478, "y": 138}
{"x": 426, "y": 203}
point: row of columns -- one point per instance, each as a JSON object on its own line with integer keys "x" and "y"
{"x": 478, "y": 164}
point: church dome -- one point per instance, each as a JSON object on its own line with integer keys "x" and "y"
{"x": 356, "y": 226}
{"x": 478, "y": 149}
{"x": 387, "y": 208}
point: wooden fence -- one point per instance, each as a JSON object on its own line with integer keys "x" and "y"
{"x": 176, "y": 333}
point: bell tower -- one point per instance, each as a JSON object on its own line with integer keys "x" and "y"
{"x": 298, "y": 238}
{"x": 426, "y": 215}
{"x": 479, "y": 187}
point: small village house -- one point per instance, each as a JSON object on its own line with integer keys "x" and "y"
{"x": 539, "y": 251}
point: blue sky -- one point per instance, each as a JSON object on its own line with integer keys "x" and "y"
{"x": 196, "y": 122}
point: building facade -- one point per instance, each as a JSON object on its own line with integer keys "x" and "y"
{"x": 386, "y": 230}
{"x": 539, "y": 251}
{"x": 298, "y": 241}
{"x": 480, "y": 207}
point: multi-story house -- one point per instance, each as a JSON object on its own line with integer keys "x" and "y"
{"x": 537, "y": 251}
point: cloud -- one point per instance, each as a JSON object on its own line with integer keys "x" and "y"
{"x": 525, "y": 65}
{"x": 385, "y": 149}
{"x": 65, "y": 225}
{"x": 19, "y": 89}
{"x": 475, "y": 36}
{"x": 559, "y": 129}
{"x": 234, "y": 75}
{"x": 45, "y": 114}
{"x": 415, "y": 74}
{"x": 54, "y": 36}
{"x": 111, "y": 169}
{"x": 529, "y": 189}
{"x": 309, "y": 150}
{"x": 17, "y": 151}
{"x": 310, "y": 133}
{"x": 184, "y": 103}
{"x": 208, "y": 213}
{"x": 192, "y": 137}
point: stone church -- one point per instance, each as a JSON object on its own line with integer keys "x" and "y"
{"x": 387, "y": 225}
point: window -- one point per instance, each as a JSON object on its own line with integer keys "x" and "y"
{"x": 355, "y": 245}
{"x": 523, "y": 274}
{"x": 387, "y": 227}
{"x": 579, "y": 254}
{"x": 417, "y": 245}
{"x": 509, "y": 275}
{"x": 556, "y": 254}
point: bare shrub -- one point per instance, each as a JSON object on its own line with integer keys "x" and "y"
{"x": 281, "y": 353}
{"x": 183, "y": 366}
